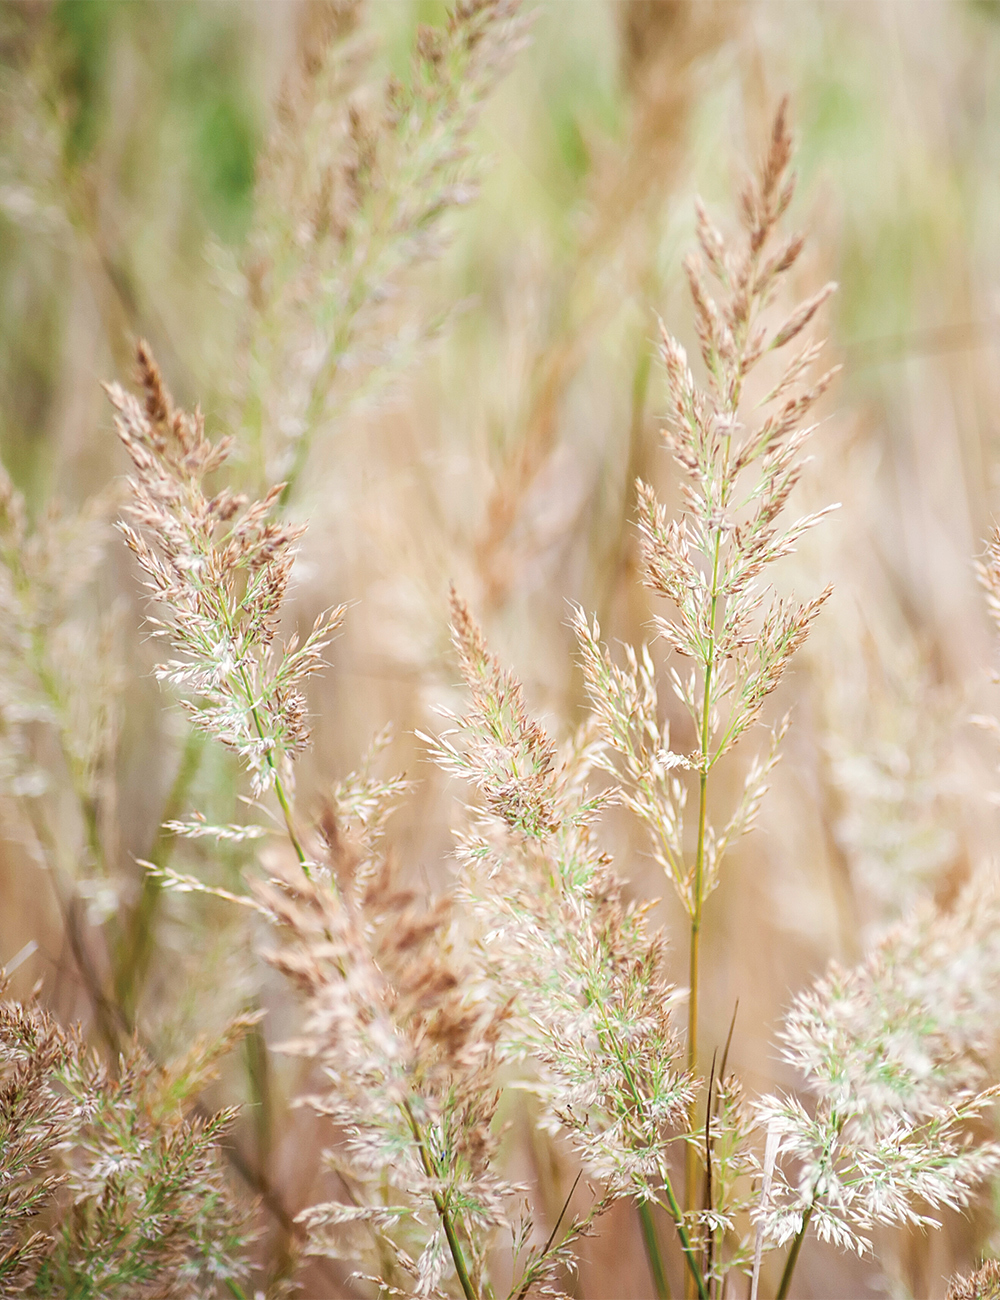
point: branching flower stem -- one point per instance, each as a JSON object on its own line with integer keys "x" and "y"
{"x": 707, "y": 759}
{"x": 444, "y": 1214}
{"x": 673, "y": 1208}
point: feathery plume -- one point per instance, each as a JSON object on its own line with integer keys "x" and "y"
{"x": 408, "y": 1049}
{"x": 895, "y": 1052}
{"x": 106, "y": 1186}
{"x": 592, "y": 1008}
{"x": 218, "y": 568}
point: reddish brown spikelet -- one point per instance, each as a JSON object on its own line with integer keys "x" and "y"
{"x": 159, "y": 404}
{"x": 983, "y": 1284}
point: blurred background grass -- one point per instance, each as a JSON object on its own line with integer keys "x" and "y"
{"x": 503, "y": 458}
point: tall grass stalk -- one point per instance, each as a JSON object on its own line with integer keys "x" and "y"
{"x": 740, "y": 469}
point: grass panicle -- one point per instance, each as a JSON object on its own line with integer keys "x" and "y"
{"x": 218, "y": 568}
{"x": 739, "y": 466}
{"x": 894, "y": 1053}
{"x": 354, "y": 194}
{"x": 592, "y": 1007}
{"x": 408, "y": 1053}
{"x": 109, "y": 1187}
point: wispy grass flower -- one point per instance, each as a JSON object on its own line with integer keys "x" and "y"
{"x": 895, "y": 1053}
{"x": 218, "y": 567}
{"x": 407, "y": 1045}
{"x": 354, "y": 193}
{"x": 107, "y": 1187}
{"x": 740, "y": 464}
{"x": 592, "y": 1007}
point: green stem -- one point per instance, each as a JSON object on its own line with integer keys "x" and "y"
{"x": 677, "y": 1214}
{"x": 135, "y": 952}
{"x": 793, "y": 1254}
{"x": 279, "y": 788}
{"x": 444, "y": 1214}
{"x": 650, "y": 1241}
{"x": 697, "y": 901}
{"x": 691, "y": 1155}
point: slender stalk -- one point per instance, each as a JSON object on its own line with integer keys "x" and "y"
{"x": 710, "y": 1242}
{"x": 444, "y": 1214}
{"x": 279, "y": 790}
{"x": 691, "y": 1155}
{"x": 698, "y": 898}
{"x": 134, "y": 953}
{"x": 649, "y": 1239}
{"x": 677, "y": 1214}
{"x": 713, "y": 1110}
{"x": 793, "y": 1254}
